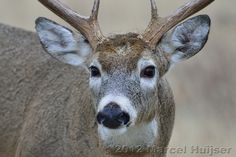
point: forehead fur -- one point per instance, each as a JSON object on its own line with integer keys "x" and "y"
{"x": 121, "y": 52}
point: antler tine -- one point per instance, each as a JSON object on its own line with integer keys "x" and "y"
{"x": 95, "y": 9}
{"x": 154, "y": 9}
{"x": 87, "y": 26}
{"x": 159, "y": 27}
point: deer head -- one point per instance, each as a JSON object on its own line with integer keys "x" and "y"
{"x": 125, "y": 70}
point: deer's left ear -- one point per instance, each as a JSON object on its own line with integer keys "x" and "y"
{"x": 186, "y": 39}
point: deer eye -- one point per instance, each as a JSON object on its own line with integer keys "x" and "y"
{"x": 148, "y": 72}
{"x": 94, "y": 71}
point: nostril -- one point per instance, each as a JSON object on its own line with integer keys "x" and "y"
{"x": 100, "y": 118}
{"x": 112, "y": 116}
{"x": 124, "y": 118}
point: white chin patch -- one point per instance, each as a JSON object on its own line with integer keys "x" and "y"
{"x": 124, "y": 104}
{"x": 143, "y": 134}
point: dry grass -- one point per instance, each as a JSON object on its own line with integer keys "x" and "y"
{"x": 204, "y": 86}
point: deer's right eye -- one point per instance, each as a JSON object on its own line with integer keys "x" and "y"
{"x": 94, "y": 71}
{"x": 148, "y": 72}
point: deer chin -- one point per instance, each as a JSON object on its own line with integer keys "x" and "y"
{"x": 132, "y": 137}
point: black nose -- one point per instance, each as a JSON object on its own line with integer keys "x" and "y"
{"x": 112, "y": 116}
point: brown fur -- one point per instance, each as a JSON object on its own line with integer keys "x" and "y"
{"x": 45, "y": 106}
{"x": 111, "y": 58}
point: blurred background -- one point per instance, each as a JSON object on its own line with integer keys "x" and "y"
{"x": 204, "y": 86}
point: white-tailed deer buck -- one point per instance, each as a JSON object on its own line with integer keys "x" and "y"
{"x": 113, "y": 101}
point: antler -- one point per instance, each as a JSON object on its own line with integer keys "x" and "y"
{"x": 87, "y": 26}
{"x": 158, "y": 26}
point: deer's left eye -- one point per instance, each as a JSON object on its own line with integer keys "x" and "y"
{"x": 148, "y": 72}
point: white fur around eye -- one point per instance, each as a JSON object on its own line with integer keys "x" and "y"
{"x": 95, "y": 83}
{"x": 147, "y": 83}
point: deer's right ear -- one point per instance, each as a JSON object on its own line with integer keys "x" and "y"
{"x": 62, "y": 43}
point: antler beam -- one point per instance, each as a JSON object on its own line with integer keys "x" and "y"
{"x": 87, "y": 26}
{"x": 159, "y": 26}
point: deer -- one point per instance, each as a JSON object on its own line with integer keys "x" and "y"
{"x": 93, "y": 96}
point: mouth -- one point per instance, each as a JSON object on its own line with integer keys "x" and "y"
{"x": 129, "y": 135}
{"x": 113, "y": 126}
{"x": 106, "y": 132}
